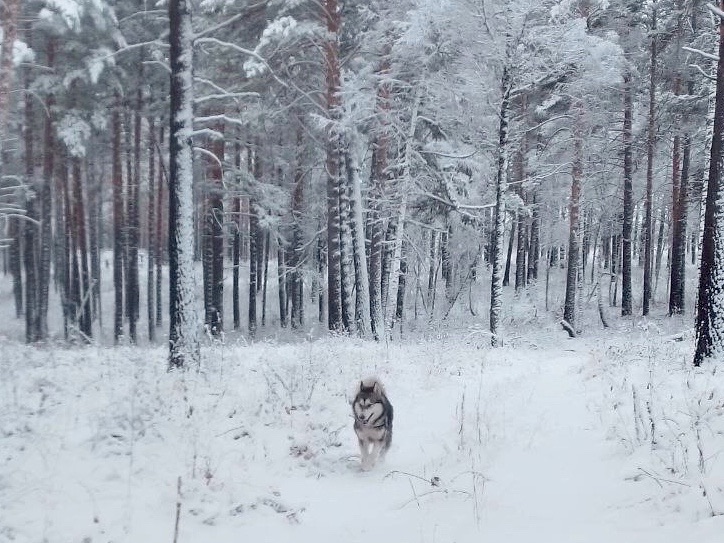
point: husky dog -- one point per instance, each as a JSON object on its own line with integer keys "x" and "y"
{"x": 372, "y": 421}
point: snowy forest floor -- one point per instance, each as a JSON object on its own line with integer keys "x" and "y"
{"x": 606, "y": 438}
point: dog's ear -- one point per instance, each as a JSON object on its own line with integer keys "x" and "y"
{"x": 376, "y": 388}
{"x": 361, "y": 386}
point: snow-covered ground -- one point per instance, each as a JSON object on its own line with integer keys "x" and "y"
{"x": 546, "y": 439}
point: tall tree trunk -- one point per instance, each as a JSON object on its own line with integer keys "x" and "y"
{"x": 399, "y": 218}
{"x": 151, "y": 229}
{"x": 496, "y": 283}
{"x": 81, "y": 248}
{"x": 346, "y": 255}
{"x": 362, "y": 298}
{"x": 31, "y": 230}
{"x": 118, "y": 206}
{"x": 628, "y": 207}
{"x": 161, "y": 234}
{"x": 267, "y": 247}
{"x": 709, "y": 317}
{"x": 184, "y": 348}
{"x": 569, "y": 308}
{"x": 379, "y": 176}
{"x": 46, "y": 206}
{"x": 254, "y": 248}
{"x": 132, "y": 206}
{"x": 95, "y": 225}
{"x": 297, "y": 251}
{"x": 650, "y": 146}
{"x": 680, "y": 192}
{"x": 534, "y": 241}
{"x": 236, "y": 243}
{"x": 282, "y": 275}
{"x": 432, "y": 273}
{"x": 333, "y": 144}
{"x": 213, "y": 243}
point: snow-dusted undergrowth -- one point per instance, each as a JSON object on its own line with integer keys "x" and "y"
{"x": 669, "y": 417}
{"x": 103, "y": 444}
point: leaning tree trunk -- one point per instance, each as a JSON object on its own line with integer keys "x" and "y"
{"x": 184, "y": 348}
{"x": 710, "y": 317}
{"x": 569, "y": 308}
{"x": 496, "y": 283}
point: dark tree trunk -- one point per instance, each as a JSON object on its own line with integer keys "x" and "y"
{"x": 534, "y": 242}
{"x": 118, "y": 206}
{"x": 16, "y": 258}
{"x": 267, "y": 247}
{"x": 650, "y": 147}
{"x": 31, "y": 230}
{"x": 628, "y": 208}
{"x": 253, "y": 265}
{"x": 509, "y": 255}
{"x": 496, "y": 282}
{"x": 162, "y": 205}
{"x": 236, "y": 242}
{"x": 151, "y": 227}
{"x": 709, "y": 317}
{"x": 297, "y": 250}
{"x": 333, "y": 144}
{"x": 569, "y": 308}
{"x": 46, "y": 208}
{"x": 81, "y": 248}
{"x": 432, "y": 272}
{"x": 213, "y": 239}
{"x": 401, "y": 287}
{"x": 282, "y": 274}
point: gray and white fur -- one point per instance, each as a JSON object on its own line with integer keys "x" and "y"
{"x": 372, "y": 421}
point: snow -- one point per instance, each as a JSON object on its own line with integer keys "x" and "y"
{"x": 529, "y": 442}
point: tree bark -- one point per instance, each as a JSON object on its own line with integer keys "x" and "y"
{"x": 496, "y": 283}
{"x": 650, "y": 147}
{"x": 569, "y": 308}
{"x": 118, "y": 206}
{"x": 184, "y": 348}
{"x": 362, "y": 298}
{"x": 332, "y": 22}
{"x": 46, "y": 206}
{"x": 628, "y": 207}
{"x": 709, "y": 317}
{"x": 151, "y": 229}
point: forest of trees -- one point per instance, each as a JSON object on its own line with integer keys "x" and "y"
{"x": 367, "y": 154}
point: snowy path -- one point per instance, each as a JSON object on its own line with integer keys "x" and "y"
{"x": 554, "y": 482}
{"x": 552, "y": 477}
{"x": 511, "y": 438}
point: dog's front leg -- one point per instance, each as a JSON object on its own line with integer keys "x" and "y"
{"x": 364, "y": 454}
